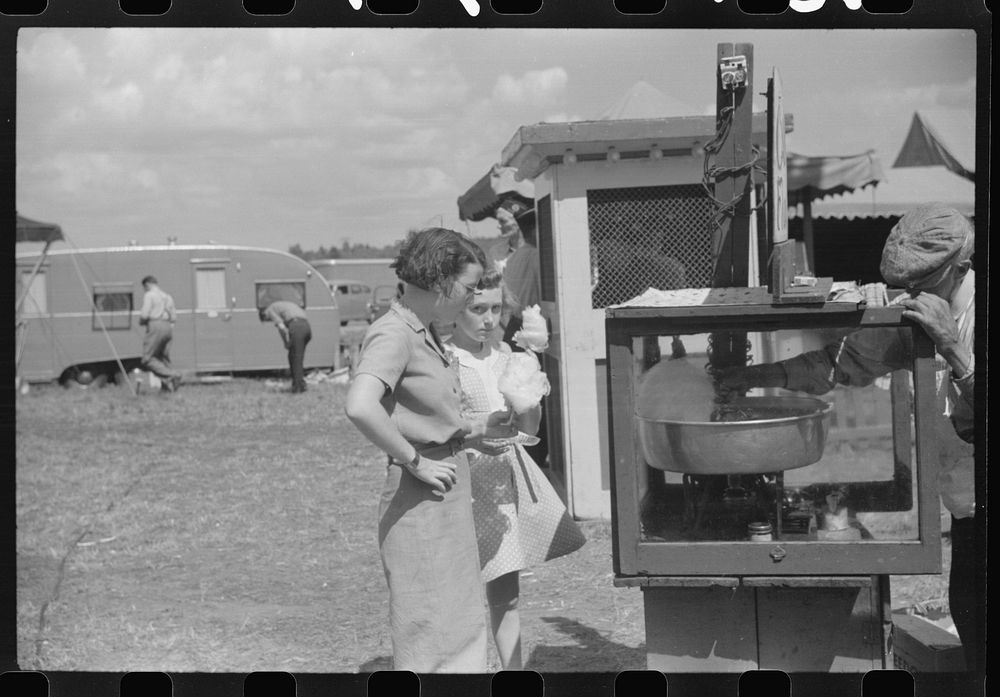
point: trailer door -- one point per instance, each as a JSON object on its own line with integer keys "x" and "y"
{"x": 213, "y": 314}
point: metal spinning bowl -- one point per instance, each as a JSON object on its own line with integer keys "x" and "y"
{"x": 740, "y": 447}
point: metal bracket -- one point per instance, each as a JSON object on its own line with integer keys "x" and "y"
{"x": 789, "y": 284}
{"x": 733, "y": 72}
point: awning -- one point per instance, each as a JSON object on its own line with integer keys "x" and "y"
{"x": 812, "y": 178}
{"x": 29, "y": 230}
{"x": 483, "y": 197}
{"x": 900, "y": 191}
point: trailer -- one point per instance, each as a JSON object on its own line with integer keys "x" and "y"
{"x": 80, "y": 315}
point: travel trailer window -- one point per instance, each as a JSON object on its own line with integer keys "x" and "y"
{"x": 35, "y": 302}
{"x": 210, "y": 285}
{"x": 269, "y": 291}
{"x": 112, "y": 309}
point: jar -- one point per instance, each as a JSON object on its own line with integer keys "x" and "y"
{"x": 760, "y": 532}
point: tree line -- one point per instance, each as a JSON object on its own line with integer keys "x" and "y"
{"x": 346, "y": 250}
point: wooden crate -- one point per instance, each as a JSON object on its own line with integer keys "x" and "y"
{"x": 920, "y": 646}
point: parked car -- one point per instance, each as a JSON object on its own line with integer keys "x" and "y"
{"x": 353, "y": 298}
{"x": 381, "y": 297}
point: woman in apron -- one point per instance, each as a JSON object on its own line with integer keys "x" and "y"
{"x": 520, "y": 519}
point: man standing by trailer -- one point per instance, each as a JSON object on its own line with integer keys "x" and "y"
{"x": 158, "y": 315}
{"x": 293, "y": 326}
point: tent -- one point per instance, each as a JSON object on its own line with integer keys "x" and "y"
{"x": 901, "y": 190}
{"x": 29, "y": 230}
{"x": 930, "y": 166}
{"x": 643, "y": 101}
{"x": 812, "y": 178}
{"x": 923, "y": 147}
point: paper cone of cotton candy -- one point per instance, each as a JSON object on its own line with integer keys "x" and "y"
{"x": 522, "y": 383}
{"x": 534, "y": 333}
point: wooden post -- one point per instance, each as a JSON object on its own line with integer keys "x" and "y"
{"x": 731, "y": 238}
{"x": 807, "y": 229}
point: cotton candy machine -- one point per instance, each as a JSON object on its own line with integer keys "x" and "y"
{"x": 703, "y": 471}
{"x": 768, "y": 434}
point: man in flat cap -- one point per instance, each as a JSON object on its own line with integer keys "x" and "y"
{"x": 516, "y": 257}
{"x": 929, "y": 253}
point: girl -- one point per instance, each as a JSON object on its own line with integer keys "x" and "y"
{"x": 519, "y": 517}
{"x": 405, "y": 398}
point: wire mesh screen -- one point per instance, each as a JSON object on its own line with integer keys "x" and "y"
{"x": 648, "y": 236}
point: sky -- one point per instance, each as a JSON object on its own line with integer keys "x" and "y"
{"x": 314, "y": 136}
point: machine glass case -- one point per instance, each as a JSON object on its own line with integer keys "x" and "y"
{"x": 715, "y": 479}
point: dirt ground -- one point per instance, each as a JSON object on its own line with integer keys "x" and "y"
{"x": 231, "y": 527}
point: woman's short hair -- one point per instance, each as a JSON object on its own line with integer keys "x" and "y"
{"x": 432, "y": 258}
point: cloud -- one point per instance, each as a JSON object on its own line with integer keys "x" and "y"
{"x": 50, "y": 57}
{"x": 120, "y": 103}
{"x": 96, "y": 179}
{"x": 126, "y": 46}
{"x": 535, "y": 86}
{"x": 169, "y": 69}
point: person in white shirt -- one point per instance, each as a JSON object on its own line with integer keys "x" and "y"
{"x": 158, "y": 315}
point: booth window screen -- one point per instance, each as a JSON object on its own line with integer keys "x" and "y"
{"x": 649, "y": 236}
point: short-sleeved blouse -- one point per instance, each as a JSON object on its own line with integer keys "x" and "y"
{"x": 424, "y": 399}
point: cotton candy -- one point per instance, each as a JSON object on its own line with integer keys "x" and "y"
{"x": 522, "y": 383}
{"x": 534, "y": 332}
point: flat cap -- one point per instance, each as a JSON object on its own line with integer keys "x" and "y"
{"x": 924, "y": 243}
{"x": 516, "y": 207}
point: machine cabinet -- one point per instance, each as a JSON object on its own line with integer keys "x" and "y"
{"x": 770, "y": 482}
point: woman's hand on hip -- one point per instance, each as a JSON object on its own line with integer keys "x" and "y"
{"x": 439, "y": 474}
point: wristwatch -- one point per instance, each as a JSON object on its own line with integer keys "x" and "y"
{"x": 409, "y": 465}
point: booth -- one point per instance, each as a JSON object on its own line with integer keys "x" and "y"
{"x": 620, "y": 207}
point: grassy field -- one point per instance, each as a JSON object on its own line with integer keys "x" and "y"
{"x": 232, "y": 527}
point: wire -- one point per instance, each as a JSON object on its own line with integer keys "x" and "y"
{"x": 711, "y": 173}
